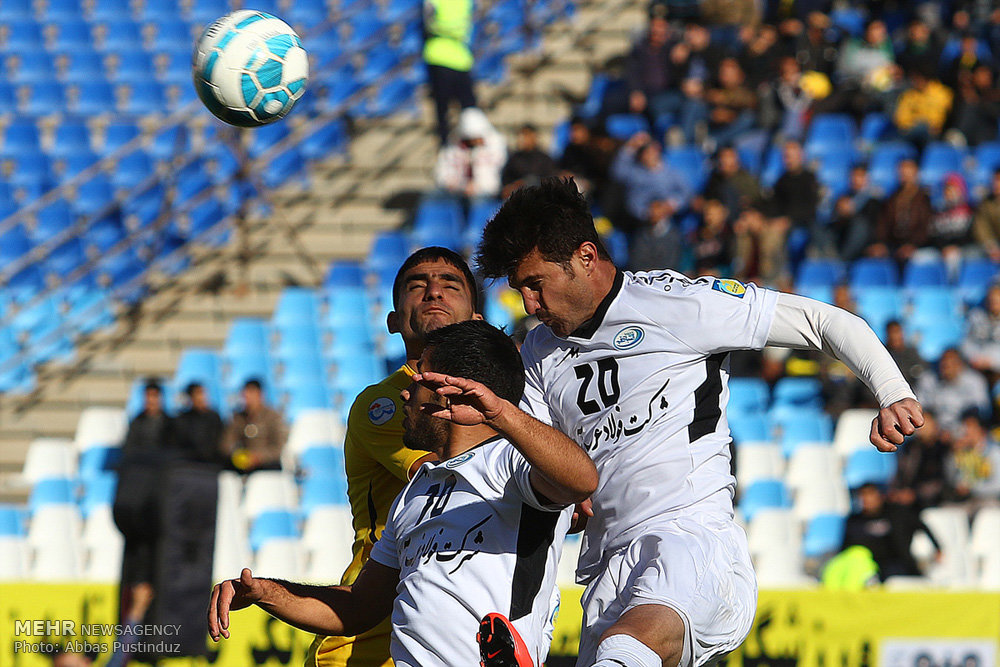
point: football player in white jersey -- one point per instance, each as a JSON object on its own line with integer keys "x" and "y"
{"x": 633, "y": 366}
{"x": 477, "y": 532}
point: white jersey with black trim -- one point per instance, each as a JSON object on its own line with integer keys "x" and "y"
{"x": 642, "y": 386}
{"x": 470, "y": 537}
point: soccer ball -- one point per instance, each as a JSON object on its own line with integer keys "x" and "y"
{"x": 249, "y": 68}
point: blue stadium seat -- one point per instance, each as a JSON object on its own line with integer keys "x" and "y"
{"x": 192, "y": 180}
{"x": 93, "y": 195}
{"x": 366, "y": 28}
{"x": 344, "y": 273}
{"x": 98, "y": 461}
{"x": 748, "y": 395}
{"x": 869, "y": 466}
{"x": 52, "y": 492}
{"x": 144, "y": 207}
{"x": 798, "y": 391}
{"x": 307, "y": 13}
{"x": 323, "y": 491}
{"x": 345, "y": 304}
{"x": 204, "y": 12}
{"x": 71, "y": 166}
{"x": 325, "y": 141}
{"x": 749, "y": 427}
{"x": 32, "y": 172}
{"x": 850, "y": 20}
{"x": 439, "y": 214}
{"x": 98, "y": 491}
{"x": 112, "y": 10}
{"x": 283, "y": 166}
{"x": 795, "y": 425}
{"x": 935, "y": 336}
{"x": 171, "y": 33}
{"x": 132, "y": 170}
{"x": 135, "y": 70}
{"x": 144, "y": 98}
{"x": 94, "y": 98}
{"x": 90, "y": 311}
{"x": 873, "y": 272}
{"x": 73, "y": 35}
{"x": 44, "y": 98}
{"x": 322, "y": 461}
{"x": 763, "y": 494}
{"x": 21, "y": 137}
{"x": 272, "y": 524}
{"x": 122, "y": 267}
{"x": 917, "y": 275}
{"x": 773, "y": 166}
{"x": 939, "y": 160}
{"x": 819, "y": 273}
{"x": 170, "y": 143}
{"x": 690, "y": 163}
{"x": 13, "y": 520}
{"x": 974, "y": 278}
{"x": 829, "y": 134}
{"x": 389, "y": 250}
{"x": 297, "y": 306}
{"x": 300, "y": 339}
{"x": 66, "y": 258}
{"x": 14, "y": 242}
{"x": 336, "y": 89}
{"x": 247, "y": 335}
{"x": 623, "y": 125}
{"x": 31, "y": 66}
{"x": 245, "y": 365}
{"x": 20, "y": 10}
{"x": 72, "y": 137}
{"x": 198, "y": 365}
{"x": 24, "y": 35}
{"x": 376, "y": 66}
{"x": 876, "y": 128}
{"x": 121, "y": 35}
{"x": 265, "y": 137}
{"x": 882, "y": 167}
{"x": 932, "y": 303}
{"x": 306, "y": 397}
{"x": 824, "y": 535}
{"x": 878, "y": 306}
{"x": 56, "y": 9}
{"x": 53, "y": 219}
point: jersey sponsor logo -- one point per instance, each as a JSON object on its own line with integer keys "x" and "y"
{"x": 628, "y": 338}
{"x": 456, "y": 461}
{"x": 381, "y": 410}
{"x": 730, "y": 287}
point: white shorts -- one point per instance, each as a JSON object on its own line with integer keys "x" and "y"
{"x": 698, "y": 566}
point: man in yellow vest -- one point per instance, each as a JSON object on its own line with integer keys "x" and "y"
{"x": 433, "y": 288}
{"x": 447, "y": 34}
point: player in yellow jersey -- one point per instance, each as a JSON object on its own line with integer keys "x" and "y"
{"x": 433, "y": 288}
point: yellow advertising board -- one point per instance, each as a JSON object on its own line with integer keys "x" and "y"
{"x": 811, "y": 628}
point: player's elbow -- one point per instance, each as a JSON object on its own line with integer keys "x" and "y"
{"x": 583, "y": 484}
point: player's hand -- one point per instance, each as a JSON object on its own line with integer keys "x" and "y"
{"x": 232, "y": 595}
{"x": 581, "y": 514}
{"x": 894, "y": 423}
{"x": 469, "y": 403}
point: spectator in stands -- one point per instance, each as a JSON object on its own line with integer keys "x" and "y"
{"x": 923, "y": 108}
{"x": 731, "y": 104}
{"x": 760, "y": 54}
{"x": 974, "y": 464}
{"x": 982, "y": 338}
{"x": 968, "y": 59}
{"x": 654, "y": 191}
{"x": 905, "y": 219}
{"x": 257, "y": 433}
{"x": 814, "y": 50}
{"x": 447, "y": 33}
{"x": 921, "y": 477}
{"x": 796, "y": 193}
{"x": 147, "y": 449}
{"x": 986, "y": 229}
{"x": 528, "y": 164}
{"x": 977, "y": 106}
{"x": 865, "y": 64}
{"x": 952, "y": 390}
{"x": 760, "y": 246}
{"x": 587, "y": 158}
{"x": 909, "y": 361}
{"x": 199, "y": 428}
{"x": 786, "y": 105}
{"x": 730, "y": 12}
{"x": 886, "y": 529}
{"x": 712, "y": 247}
{"x": 854, "y": 216}
{"x": 951, "y": 227}
{"x": 470, "y": 165}
{"x": 920, "y": 49}
{"x": 730, "y": 183}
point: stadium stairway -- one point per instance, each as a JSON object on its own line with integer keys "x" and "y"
{"x": 332, "y": 213}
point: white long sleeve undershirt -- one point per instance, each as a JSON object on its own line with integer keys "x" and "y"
{"x": 813, "y": 325}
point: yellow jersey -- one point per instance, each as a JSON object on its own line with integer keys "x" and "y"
{"x": 378, "y": 468}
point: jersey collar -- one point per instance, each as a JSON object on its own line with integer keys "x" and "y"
{"x": 589, "y": 328}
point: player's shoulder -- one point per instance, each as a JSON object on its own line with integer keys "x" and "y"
{"x": 379, "y": 403}
{"x": 669, "y": 284}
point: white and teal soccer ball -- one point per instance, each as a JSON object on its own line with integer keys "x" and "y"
{"x": 249, "y": 68}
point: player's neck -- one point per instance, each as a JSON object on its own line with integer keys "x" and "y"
{"x": 463, "y": 438}
{"x": 603, "y": 280}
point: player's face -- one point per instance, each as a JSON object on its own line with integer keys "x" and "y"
{"x": 420, "y": 430}
{"x": 554, "y": 293}
{"x": 431, "y": 295}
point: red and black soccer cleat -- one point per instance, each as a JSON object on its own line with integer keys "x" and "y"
{"x": 500, "y": 645}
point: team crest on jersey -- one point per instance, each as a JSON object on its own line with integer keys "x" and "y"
{"x": 459, "y": 460}
{"x": 628, "y": 338}
{"x": 730, "y": 287}
{"x": 381, "y": 410}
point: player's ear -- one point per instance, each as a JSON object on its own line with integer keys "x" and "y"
{"x": 587, "y": 253}
{"x": 392, "y": 322}
{"x": 476, "y": 316}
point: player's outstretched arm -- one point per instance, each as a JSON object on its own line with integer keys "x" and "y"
{"x": 560, "y": 469}
{"x": 805, "y": 323}
{"x": 326, "y": 610}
